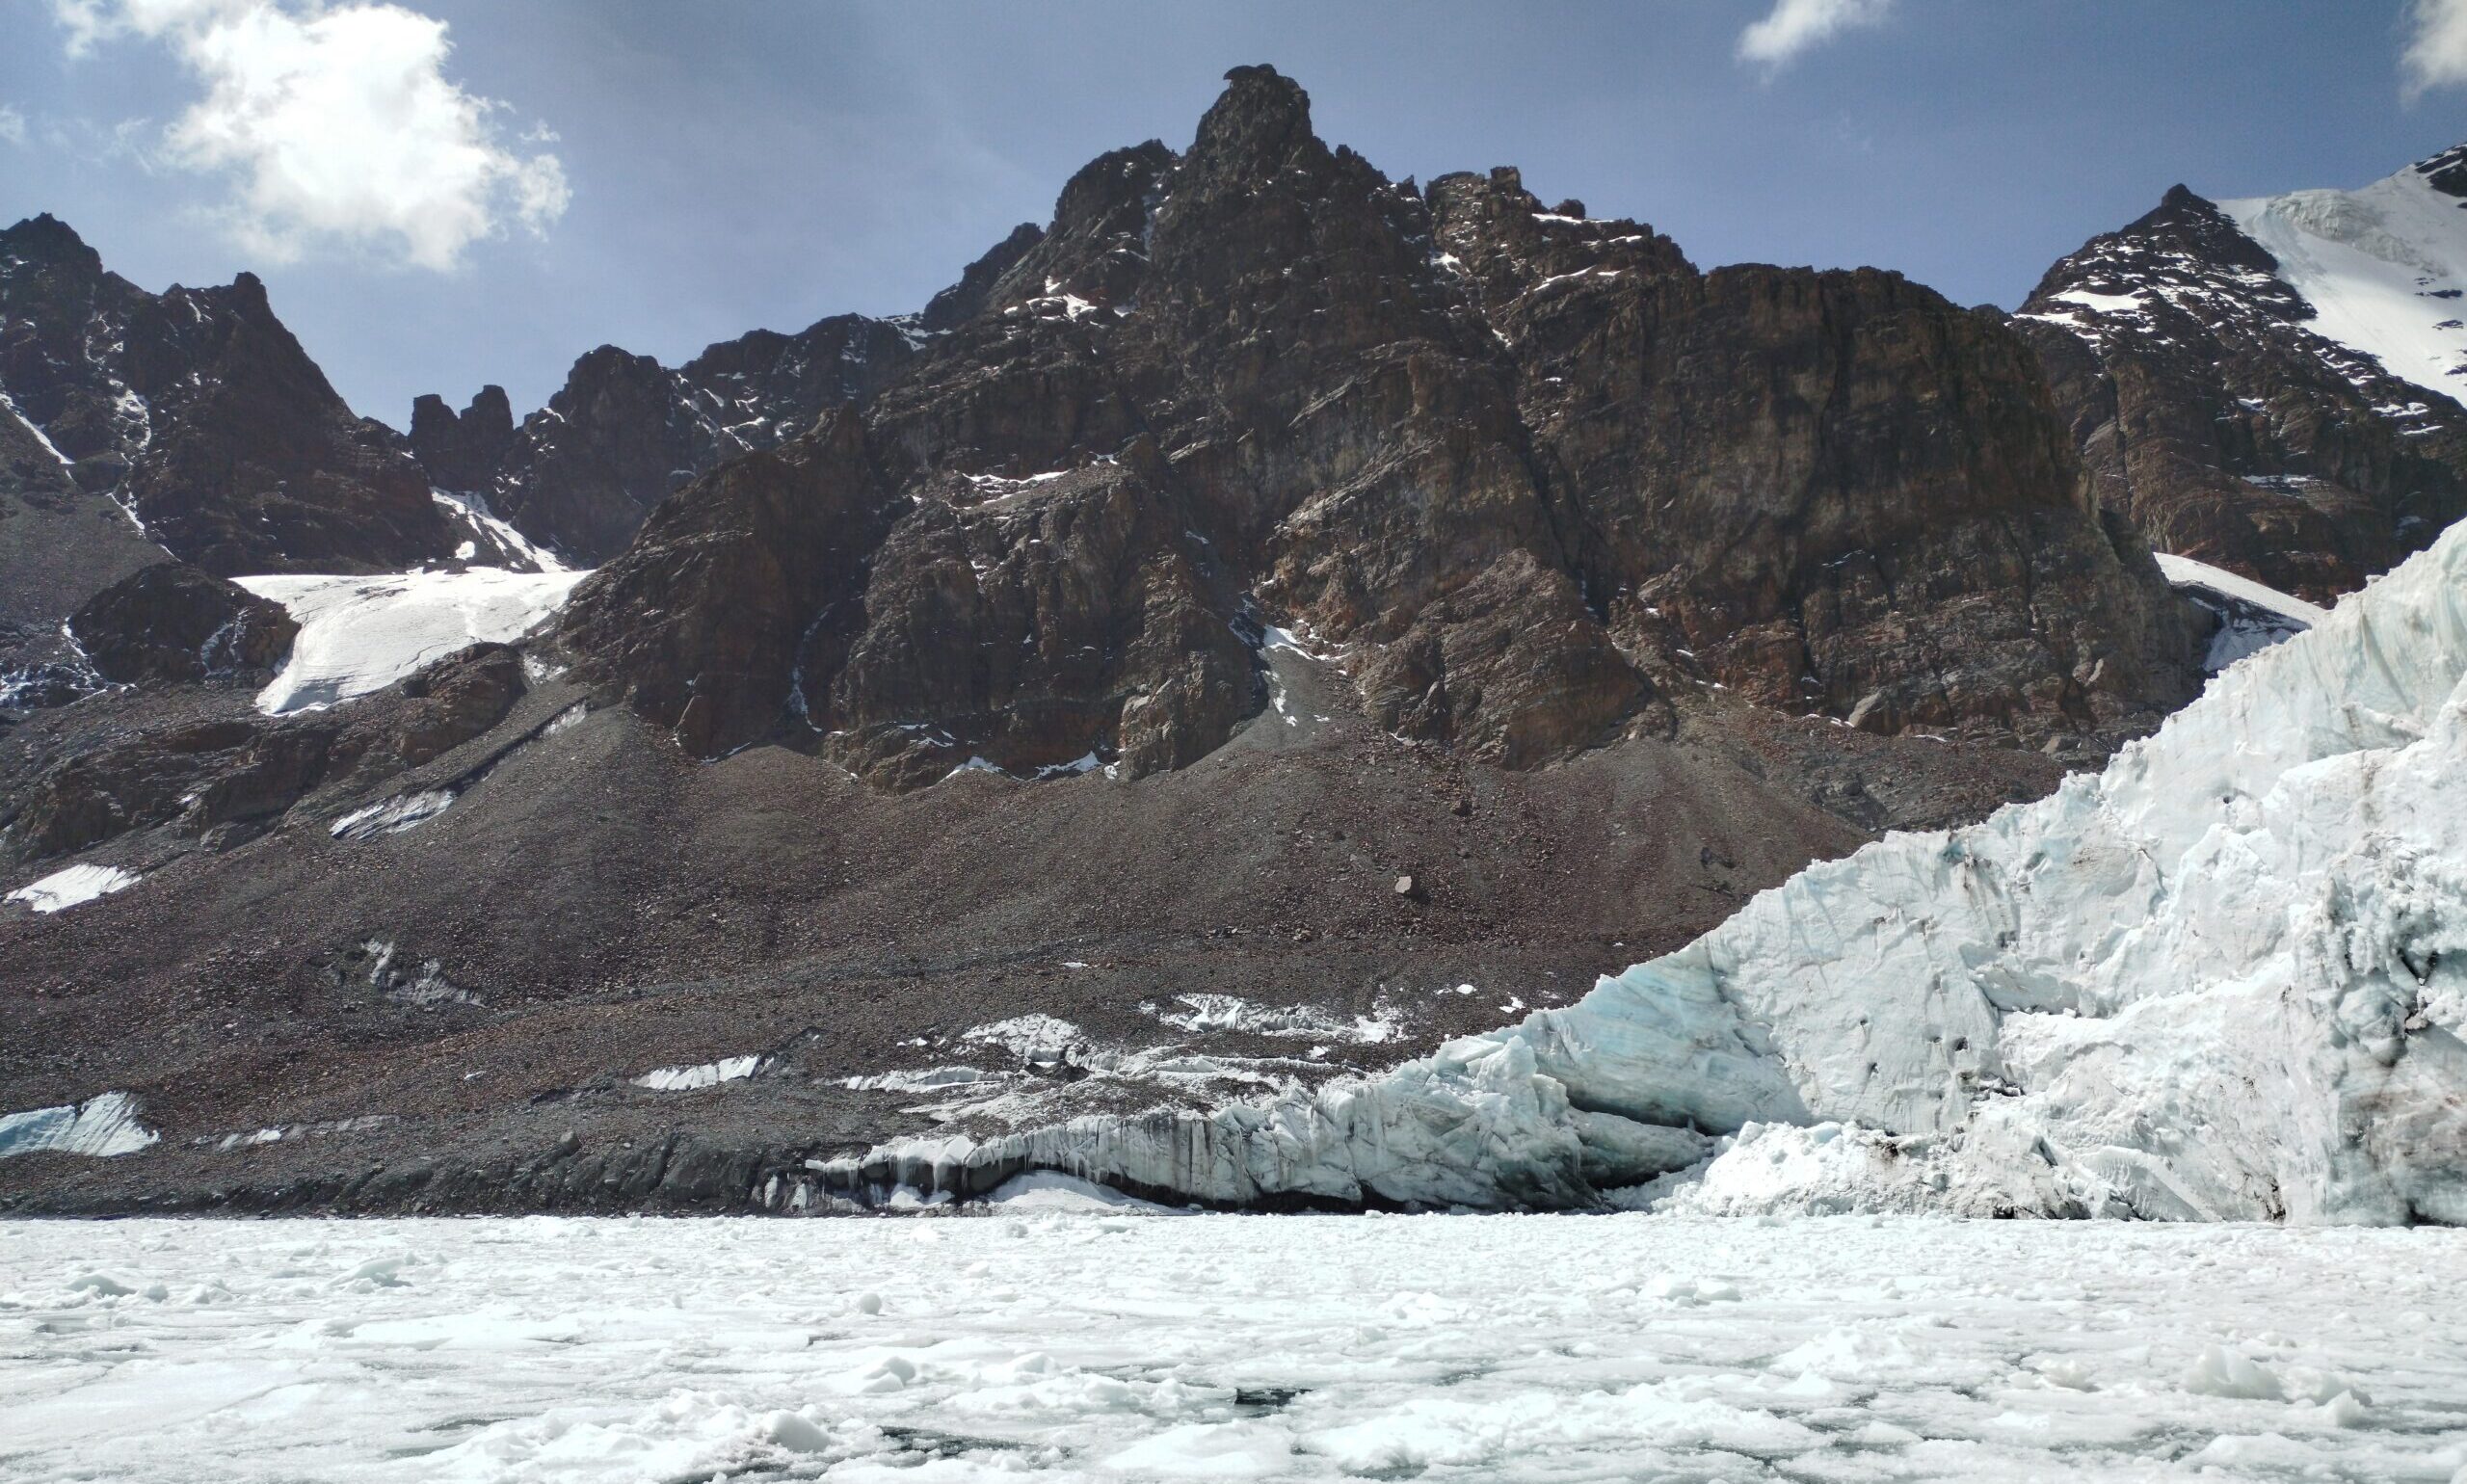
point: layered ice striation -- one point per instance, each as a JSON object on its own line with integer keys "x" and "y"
{"x": 2221, "y": 980}
{"x": 103, "y": 1125}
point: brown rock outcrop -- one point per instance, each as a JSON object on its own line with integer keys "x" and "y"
{"x": 174, "y": 622}
{"x": 2223, "y": 428}
{"x": 1531, "y": 471}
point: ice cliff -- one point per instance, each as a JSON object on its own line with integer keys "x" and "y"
{"x": 2221, "y": 980}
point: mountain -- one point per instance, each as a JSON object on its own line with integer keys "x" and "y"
{"x": 1263, "y": 623}
{"x": 1534, "y": 474}
{"x": 197, "y": 411}
{"x": 578, "y": 475}
{"x": 2272, "y": 385}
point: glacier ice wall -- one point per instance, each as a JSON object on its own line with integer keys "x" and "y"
{"x": 2223, "y": 979}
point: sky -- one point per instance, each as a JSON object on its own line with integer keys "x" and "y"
{"x": 442, "y": 193}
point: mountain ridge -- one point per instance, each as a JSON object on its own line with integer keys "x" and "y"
{"x": 1261, "y": 622}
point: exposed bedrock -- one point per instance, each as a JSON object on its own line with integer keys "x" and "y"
{"x": 1535, "y": 476}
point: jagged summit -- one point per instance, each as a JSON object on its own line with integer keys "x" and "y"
{"x": 1260, "y": 121}
{"x": 44, "y": 238}
{"x": 1425, "y": 425}
{"x": 2267, "y": 385}
{"x": 198, "y": 413}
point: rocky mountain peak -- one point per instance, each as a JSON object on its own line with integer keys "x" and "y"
{"x": 965, "y": 299}
{"x": 47, "y": 241}
{"x": 1439, "y": 430}
{"x": 1258, "y": 125}
{"x": 2446, "y": 172}
{"x": 462, "y": 452}
{"x": 2213, "y": 410}
{"x": 198, "y": 413}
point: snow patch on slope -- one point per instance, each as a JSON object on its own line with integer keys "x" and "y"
{"x": 2382, "y": 268}
{"x": 687, "y": 1079}
{"x": 67, "y": 888}
{"x": 508, "y": 546}
{"x": 101, "y": 1126}
{"x": 361, "y": 634}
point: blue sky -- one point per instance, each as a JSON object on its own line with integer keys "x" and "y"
{"x": 441, "y": 194}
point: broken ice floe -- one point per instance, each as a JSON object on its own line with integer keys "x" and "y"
{"x": 1031, "y": 1037}
{"x": 103, "y": 1125}
{"x": 66, "y": 889}
{"x": 686, "y": 1079}
{"x": 1080, "y": 1334}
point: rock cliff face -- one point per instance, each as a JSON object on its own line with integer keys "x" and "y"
{"x": 199, "y": 413}
{"x": 580, "y": 476}
{"x": 225, "y": 780}
{"x": 1539, "y": 478}
{"x": 2213, "y": 412}
{"x": 173, "y": 621}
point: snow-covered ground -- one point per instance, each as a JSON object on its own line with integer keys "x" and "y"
{"x": 2382, "y": 268}
{"x": 1116, "y": 1346}
{"x": 360, "y": 634}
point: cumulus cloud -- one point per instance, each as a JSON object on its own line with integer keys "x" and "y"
{"x": 336, "y": 121}
{"x": 2436, "y": 54}
{"x": 1797, "y": 26}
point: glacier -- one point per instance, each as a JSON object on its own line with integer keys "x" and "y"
{"x": 2221, "y": 980}
{"x": 2379, "y": 265}
{"x": 361, "y": 634}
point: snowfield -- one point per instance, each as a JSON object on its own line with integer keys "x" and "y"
{"x": 2382, "y": 267}
{"x": 1116, "y": 1346}
{"x": 2226, "y": 979}
{"x": 361, "y": 634}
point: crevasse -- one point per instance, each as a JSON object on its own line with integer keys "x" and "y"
{"x": 2223, "y": 979}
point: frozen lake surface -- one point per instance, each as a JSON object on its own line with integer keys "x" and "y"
{"x": 1229, "y": 1347}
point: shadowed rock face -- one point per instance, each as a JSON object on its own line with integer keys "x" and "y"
{"x": 1540, "y": 477}
{"x": 699, "y": 624}
{"x": 2221, "y": 427}
{"x": 581, "y": 474}
{"x": 173, "y": 621}
{"x": 198, "y": 409}
{"x": 461, "y": 451}
{"x": 227, "y": 780}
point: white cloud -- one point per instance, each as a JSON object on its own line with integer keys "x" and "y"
{"x": 13, "y": 125}
{"x": 2436, "y": 54}
{"x": 1797, "y": 25}
{"x": 335, "y": 122}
